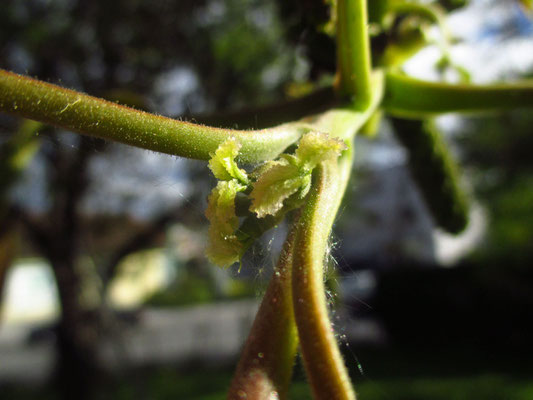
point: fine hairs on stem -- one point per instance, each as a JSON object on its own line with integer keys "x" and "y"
{"x": 303, "y": 158}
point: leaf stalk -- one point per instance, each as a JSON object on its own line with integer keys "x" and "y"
{"x": 30, "y": 98}
{"x": 353, "y": 52}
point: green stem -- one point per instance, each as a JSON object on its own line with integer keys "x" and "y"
{"x": 344, "y": 123}
{"x": 325, "y": 368}
{"x": 266, "y": 363}
{"x": 323, "y": 362}
{"x": 414, "y": 98}
{"x": 51, "y": 104}
{"x": 353, "y": 51}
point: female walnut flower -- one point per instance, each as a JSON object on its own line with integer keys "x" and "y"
{"x": 279, "y": 186}
{"x": 291, "y": 175}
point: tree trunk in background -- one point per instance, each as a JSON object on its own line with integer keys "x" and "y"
{"x": 78, "y": 369}
{"x": 8, "y": 241}
{"x": 8, "y": 248}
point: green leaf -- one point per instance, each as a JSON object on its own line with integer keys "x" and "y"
{"x": 223, "y": 163}
{"x": 223, "y": 247}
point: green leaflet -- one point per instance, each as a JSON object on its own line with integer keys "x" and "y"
{"x": 223, "y": 164}
{"x": 278, "y": 180}
{"x": 223, "y": 247}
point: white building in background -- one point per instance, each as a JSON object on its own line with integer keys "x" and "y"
{"x": 30, "y": 294}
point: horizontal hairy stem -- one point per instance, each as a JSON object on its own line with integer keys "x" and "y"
{"x": 266, "y": 363}
{"x": 30, "y": 98}
{"x": 415, "y": 98}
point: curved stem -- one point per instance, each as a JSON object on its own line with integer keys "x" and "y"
{"x": 51, "y": 104}
{"x": 410, "y": 97}
{"x": 433, "y": 12}
{"x": 344, "y": 123}
{"x": 266, "y": 363}
{"x": 353, "y": 51}
{"x": 323, "y": 362}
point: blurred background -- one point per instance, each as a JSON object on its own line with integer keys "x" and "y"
{"x": 105, "y": 289}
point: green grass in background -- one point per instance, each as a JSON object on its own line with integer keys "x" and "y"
{"x": 389, "y": 374}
